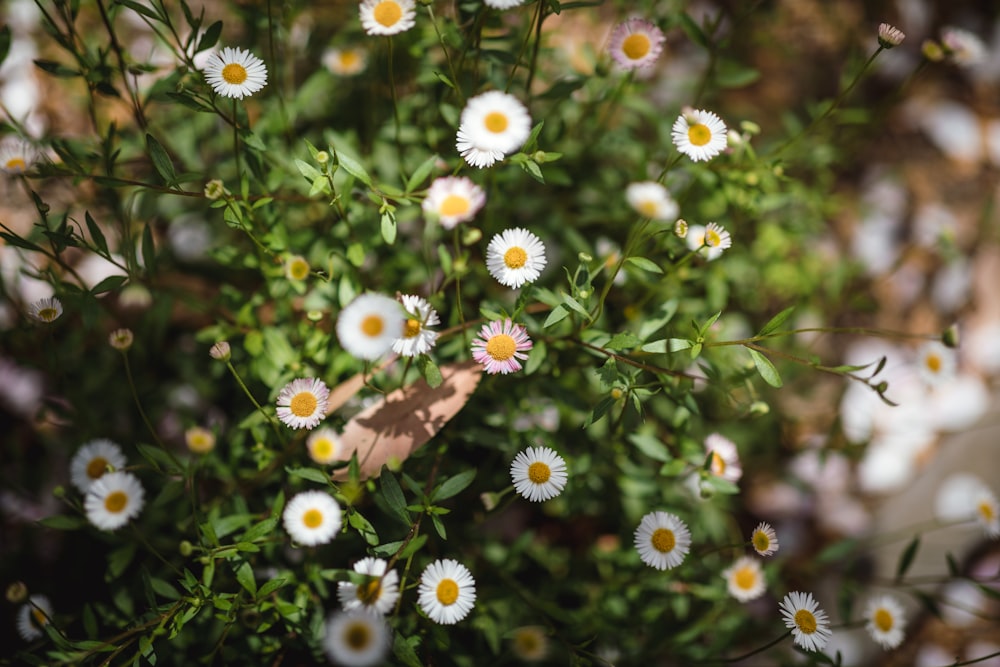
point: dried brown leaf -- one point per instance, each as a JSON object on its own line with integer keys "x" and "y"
{"x": 405, "y": 419}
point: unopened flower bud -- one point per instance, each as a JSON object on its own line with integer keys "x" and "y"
{"x": 681, "y": 228}
{"x": 322, "y": 157}
{"x": 220, "y": 351}
{"x": 214, "y": 189}
{"x": 889, "y": 36}
{"x": 950, "y": 336}
{"x": 185, "y": 548}
{"x": 121, "y": 339}
{"x": 932, "y": 50}
{"x": 17, "y": 592}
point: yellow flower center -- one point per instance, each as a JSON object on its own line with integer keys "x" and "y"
{"x": 495, "y": 122}
{"x": 663, "y": 540}
{"x": 303, "y": 404}
{"x": 39, "y": 616}
{"x": 322, "y": 449}
{"x": 636, "y": 46}
{"x": 501, "y": 347}
{"x": 312, "y": 518}
{"x": 454, "y": 205}
{"x": 348, "y": 59}
{"x": 713, "y": 239}
{"x": 372, "y": 325}
{"x": 411, "y": 328}
{"x": 933, "y": 363}
{"x": 648, "y": 208}
{"x": 528, "y": 642}
{"x": 298, "y": 269}
{"x": 805, "y": 621}
{"x": 539, "y": 473}
{"x": 699, "y": 134}
{"x": 48, "y": 314}
{"x": 234, "y": 73}
{"x": 761, "y": 542}
{"x": 358, "y": 636}
{"x": 97, "y": 467}
{"x": 370, "y": 592}
{"x": 447, "y": 592}
{"x": 987, "y": 511}
{"x": 116, "y": 501}
{"x": 745, "y": 578}
{"x": 16, "y": 164}
{"x": 515, "y": 258}
{"x": 388, "y": 13}
{"x": 718, "y": 465}
{"x": 883, "y": 620}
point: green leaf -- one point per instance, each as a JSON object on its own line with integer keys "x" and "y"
{"x": 156, "y": 456}
{"x": 393, "y": 494}
{"x": 4, "y": 42}
{"x": 62, "y": 522}
{"x": 644, "y": 264}
{"x": 734, "y": 74}
{"x": 140, "y": 9}
{"x": 310, "y": 172}
{"x": 622, "y": 341}
{"x": 244, "y": 575}
{"x": 533, "y": 170}
{"x": 270, "y": 587}
{"x": 260, "y": 530}
{"x": 404, "y": 652}
{"x": 454, "y": 485}
{"x": 18, "y": 242}
{"x": 161, "y": 161}
{"x": 363, "y": 526}
{"x": 557, "y": 315}
{"x": 651, "y": 446}
{"x": 389, "y": 228}
{"x": 573, "y": 304}
{"x": 96, "y": 234}
{"x": 163, "y": 589}
{"x": 311, "y": 474}
{"x": 211, "y": 36}
{"x": 708, "y": 323}
{"x": 439, "y": 527}
{"x": 56, "y": 69}
{"x": 776, "y": 321}
{"x": 421, "y": 173}
{"x": 693, "y": 31}
{"x": 352, "y": 167}
{"x": 906, "y": 558}
{"x": 765, "y": 368}
{"x": 837, "y": 551}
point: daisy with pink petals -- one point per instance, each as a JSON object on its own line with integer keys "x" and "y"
{"x": 636, "y": 43}
{"x": 500, "y": 345}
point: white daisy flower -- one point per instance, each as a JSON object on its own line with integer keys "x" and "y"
{"x": 662, "y": 540}
{"x": 447, "y": 591}
{"x": 503, "y": 4}
{"x": 46, "y": 310}
{"x": 93, "y": 460}
{"x": 530, "y": 643}
{"x": 492, "y": 125}
{"x": 302, "y": 403}
{"x": 808, "y": 623}
{"x": 988, "y": 512}
{"x": 114, "y": 500}
{"x": 725, "y": 457}
{"x": 651, "y": 200}
{"x": 884, "y": 621}
{"x": 717, "y": 238}
{"x": 963, "y": 47}
{"x": 312, "y": 517}
{"x": 538, "y": 473}
{"x": 356, "y": 638}
{"x": 417, "y": 338}
{"x": 121, "y": 339}
{"x": 696, "y": 239}
{"x": 515, "y": 257}
{"x": 745, "y": 579}
{"x": 764, "y": 540}
{"x": 369, "y": 325}
{"x": 889, "y": 36}
{"x": 346, "y": 61}
{"x": 235, "y": 73}
{"x": 199, "y": 440}
{"x": 936, "y": 363}
{"x": 699, "y": 134}
{"x": 32, "y": 616}
{"x": 453, "y": 199}
{"x": 296, "y": 268}
{"x": 636, "y": 43}
{"x": 324, "y": 445}
{"x": 378, "y": 594}
{"x": 16, "y": 156}
{"x": 388, "y": 17}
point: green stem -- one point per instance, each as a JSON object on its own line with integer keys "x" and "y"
{"x": 246, "y": 390}
{"x": 142, "y": 412}
{"x": 447, "y": 56}
{"x": 392, "y": 91}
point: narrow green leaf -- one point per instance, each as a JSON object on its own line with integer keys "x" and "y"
{"x": 573, "y": 304}
{"x": 161, "y": 161}
{"x": 393, "y": 494}
{"x": 244, "y": 575}
{"x": 557, "y": 315}
{"x": 18, "y": 242}
{"x": 108, "y": 284}
{"x": 363, "y": 526}
{"x": 270, "y": 587}
{"x": 404, "y": 652}
{"x": 96, "y": 235}
{"x": 776, "y": 321}
{"x": 651, "y": 446}
{"x": 312, "y": 474}
{"x": 164, "y": 589}
{"x": 678, "y": 344}
{"x": 140, "y": 9}
{"x": 454, "y": 485}
{"x": 421, "y": 173}
{"x": 352, "y": 167}
{"x": 4, "y": 42}
{"x": 906, "y": 558}
{"x": 765, "y": 368}
{"x": 210, "y": 38}
{"x": 708, "y": 324}
{"x": 439, "y": 527}
{"x": 430, "y": 371}
{"x": 56, "y": 69}
{"x": 310, "y": 172}
{"x": 388, "y": 228}
{"x": 693, "y": 31}
{"x": 644, "y": 264}
{"x": 62, "y": 522}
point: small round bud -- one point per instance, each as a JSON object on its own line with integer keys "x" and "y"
{"x": 17, "y": 592}
{"x": 759, "y": 408}
{"x": 322, "y": 157}
{"x": 215, "y": 189}
{"x": 681, "y": 228}
{"x": 59, "y": 491}
{"x": 584, "y": 257}
{"x": 185, "y": 548}
{"x": 471, "y": 235}
{"x": 135, "y": 296}
{"x": 489, "y": 500}
{"x": 199, "y": 440}
{"x": 750, "y": 127}
{"x": 314, "y": 315}
{"x": 585, "y": 294}
{"x": 539, "y": 157}
{"x": 751, "y": 179}
{"x": 617, "y": 393}
{"x": 950, "y": 336}
{"x": 882, "y": 387}
{"x": 220, "y": 351}
{"x": 460, "y": 266}
{"x": 296, "y": 268}
{"x": 932, "y": 50}
{"x": 121, "y": 339}
{"x": 734, "y": 139}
